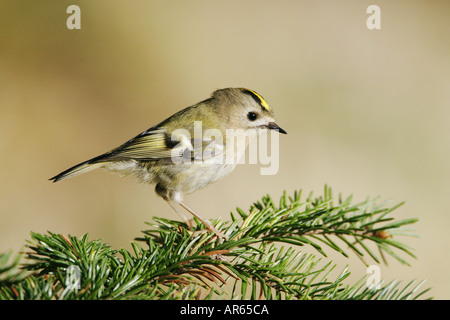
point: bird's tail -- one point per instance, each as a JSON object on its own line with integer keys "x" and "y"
{"x": 76, "y": 170}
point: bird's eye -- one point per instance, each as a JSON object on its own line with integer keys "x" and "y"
{"x": 252, "y": 116}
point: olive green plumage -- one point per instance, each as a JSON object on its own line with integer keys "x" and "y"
{"x": 175, "y": 157}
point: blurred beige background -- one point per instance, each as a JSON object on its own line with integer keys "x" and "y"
{"x": 367, "y": 111}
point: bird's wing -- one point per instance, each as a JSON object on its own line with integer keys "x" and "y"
{"x": 157, "y": 144}
{"x": 153, "y": 144}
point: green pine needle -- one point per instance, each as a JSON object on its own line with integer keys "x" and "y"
{"x": 261, "y": 259}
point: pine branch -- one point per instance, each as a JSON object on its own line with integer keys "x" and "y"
{"x": 260, "y": 259}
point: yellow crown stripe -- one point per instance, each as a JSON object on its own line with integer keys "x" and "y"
{"x": 262, "y": 102}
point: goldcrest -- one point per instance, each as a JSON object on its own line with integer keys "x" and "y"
{"x": 179, "y": 160}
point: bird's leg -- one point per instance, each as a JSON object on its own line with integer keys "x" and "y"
{"x": 208, "y": 224}
{"x": 185, "y": 219}
{"x": 174, "y": 196}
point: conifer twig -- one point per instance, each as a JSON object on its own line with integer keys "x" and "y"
{"x": 261, "y": 258}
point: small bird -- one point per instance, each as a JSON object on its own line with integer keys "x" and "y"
{"x": 181, "y": 159}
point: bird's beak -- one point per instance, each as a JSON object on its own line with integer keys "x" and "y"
{"x": 274, "y": 126}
